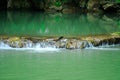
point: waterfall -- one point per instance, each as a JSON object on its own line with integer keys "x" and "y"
{"x": 36, "y": 43}
{"x": 26, "y": 44}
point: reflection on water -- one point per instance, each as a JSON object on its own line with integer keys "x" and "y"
{"x": 42, "y": 24}
{"x": 61, "y": 64}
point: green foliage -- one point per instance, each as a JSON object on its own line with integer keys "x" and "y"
{"x": 58, "y": 3}
{"x": 118, "y": 1}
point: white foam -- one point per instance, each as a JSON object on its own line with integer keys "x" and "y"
{"x": 97, "y": 48}
{"x": 33, "y": 49}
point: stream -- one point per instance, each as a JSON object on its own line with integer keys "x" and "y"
{"x": 50, "y": 63}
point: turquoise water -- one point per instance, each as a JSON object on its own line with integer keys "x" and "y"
{"x": 60, "y": 65}
{"x": 44, "y": 24}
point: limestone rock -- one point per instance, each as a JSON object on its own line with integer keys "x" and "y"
{"x": 66, "y": 43}
{"x": 72, "y": 44}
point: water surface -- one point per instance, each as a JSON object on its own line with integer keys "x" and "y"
{"x": 44, "y": 24}
{"x": 101, "y": 63}
{"x": 60, "y": 65}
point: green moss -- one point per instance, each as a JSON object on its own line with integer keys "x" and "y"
{"x": 116, "y": 33}
{"x": 14, "y": 39}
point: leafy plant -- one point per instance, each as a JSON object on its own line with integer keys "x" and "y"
{"x": 58, "y": 3}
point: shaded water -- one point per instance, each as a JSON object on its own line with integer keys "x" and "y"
{"x": 58, "y": 64}
{"x": 43, "y": 24}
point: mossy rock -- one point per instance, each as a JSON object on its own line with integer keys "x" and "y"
{"x": 116, "y": 34}
{"x": 14, "y": 39}
{"x": 15, "y": 42}
{"x": 68, "y": 43}
{"x": 71, "y": 44}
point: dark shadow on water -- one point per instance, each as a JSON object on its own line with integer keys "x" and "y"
{"x": 43, "y": 24}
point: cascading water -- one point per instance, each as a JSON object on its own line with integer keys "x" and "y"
{"x": 58, "y": 43}
{"x": 2, "y": 45}
{"x": 26, "y": 44}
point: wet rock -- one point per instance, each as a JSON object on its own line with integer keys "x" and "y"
{"x": 104, "y": 40}
{"x": 85, "y": 44}
{"x": 77, "y": 44}
{"x": 15, "y": 42}
{"x": 111, "y": 7}
{"x": 67, "y": 43}
{"x": 61, "y": 43}
{"x": 68, "y": 10}
{"x": 93, "y": 5}
{"x": 72, "y": 44}
{"x": 18, "y": 4}
{"x": 56, "y": 8}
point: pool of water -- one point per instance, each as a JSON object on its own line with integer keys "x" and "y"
{"x": 63, "y": 64}
{"x": 102, "y": 63}
{"x": 44, "y": 24}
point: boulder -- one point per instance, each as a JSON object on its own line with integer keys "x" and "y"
{"x": 15, "y": 42}
{"x": 71, "y": 44}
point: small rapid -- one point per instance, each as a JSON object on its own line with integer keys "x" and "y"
{"x": 53, "y": 46}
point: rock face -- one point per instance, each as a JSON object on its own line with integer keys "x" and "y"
{"x": 93, "y": 5}
{"x": 103, "y": 6}
{"x": 23, "y": 4}
{"x": 112, "y": 7}
{"x": 67, "y": 43}
{"x": 65, "y": 6}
